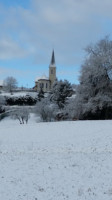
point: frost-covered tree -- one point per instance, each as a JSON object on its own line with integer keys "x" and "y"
{"x": 46, "y": 110}
{"x": 60, "y": 91}
{"x": 10, "y": 83}
{"x": 22, "y": 114}
{"x": 94, "y": 94}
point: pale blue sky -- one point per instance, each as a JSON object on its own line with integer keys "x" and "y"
{"x": 30, "y": 29}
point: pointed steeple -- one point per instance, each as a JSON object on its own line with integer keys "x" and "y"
{"x": 53, "y": 58}
{"x": 52, "y": 70}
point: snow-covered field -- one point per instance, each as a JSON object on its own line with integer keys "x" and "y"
{"x": 56, "y": 161}
{"x": 19, "y": 94}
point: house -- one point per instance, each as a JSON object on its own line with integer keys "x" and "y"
{"x": 44, "y": 82}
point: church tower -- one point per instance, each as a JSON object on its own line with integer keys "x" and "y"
{"x": 52, "y": 70}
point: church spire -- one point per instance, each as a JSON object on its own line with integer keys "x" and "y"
{"x": 52, "y": 70}
{"x": 53, "y": 58}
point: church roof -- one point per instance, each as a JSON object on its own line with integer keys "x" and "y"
{"x": 44, "y": 77}
{"x": 52, "y": 59}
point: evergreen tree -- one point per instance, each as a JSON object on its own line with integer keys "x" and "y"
{"x": 40, "y": 94}
{"x": 2, "y": 103}
{"x": 60, "y": 91}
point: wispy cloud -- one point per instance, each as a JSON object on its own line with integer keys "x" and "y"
{"x": 68, "y": 26}
{"x": 9, "y": 49}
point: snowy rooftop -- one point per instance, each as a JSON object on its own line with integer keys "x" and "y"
{"x": 44, "y": 77}
{"x": 1, "y": 82}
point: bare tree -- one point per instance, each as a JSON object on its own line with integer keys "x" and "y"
{"x": 10, "y": 83}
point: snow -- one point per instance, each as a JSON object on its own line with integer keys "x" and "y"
{"x": 44, "y": 77}
{"x": 19, "y": 94}
{"x": 53, "y": 65}
{"x": 56, "y": 161}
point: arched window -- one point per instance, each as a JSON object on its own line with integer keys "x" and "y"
{"x": 42, "y": 85}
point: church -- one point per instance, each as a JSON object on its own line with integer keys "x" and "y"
{"x": 44, "y": 82}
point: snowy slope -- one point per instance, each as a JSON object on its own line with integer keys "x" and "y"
{"x": 19, "y": 94}
{"x": 56, "y": 161}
